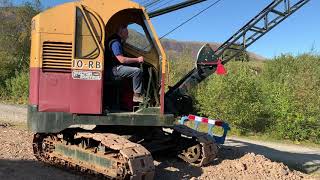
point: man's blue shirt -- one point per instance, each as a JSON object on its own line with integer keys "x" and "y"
{"x": 116, "y": 48}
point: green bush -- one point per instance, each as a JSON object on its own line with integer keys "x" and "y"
{"x": 235, "y": 97}
{"x": 179, "y": 65}
{"x": 291, "y": 86}
{"x": 279, "y": 97}
{"x": 17, "y": 88}
{"x": 15, "y": 48}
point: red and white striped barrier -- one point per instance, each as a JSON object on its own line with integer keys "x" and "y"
{"x": 205, "y": 120}
{"x": 211, "y": 124}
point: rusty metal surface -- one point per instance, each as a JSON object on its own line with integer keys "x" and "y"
{"x": 139, "y": 159}
{"x": 209, "y": 149}
{"x": 122, "y": 158}
{"x": 55, "y": 122}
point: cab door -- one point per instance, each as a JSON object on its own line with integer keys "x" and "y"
{"x": 87, "y": 65}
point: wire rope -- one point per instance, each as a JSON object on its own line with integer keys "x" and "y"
{"x": 144, "y": 2}
{"x": 160, "y": 5}
{"x": 188, "y": 20}
{"x": 152, "y": 3}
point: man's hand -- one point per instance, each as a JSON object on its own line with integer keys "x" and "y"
{"x": 140, "y": 59}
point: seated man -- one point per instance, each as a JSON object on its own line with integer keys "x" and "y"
{"x": 119, "y": 63}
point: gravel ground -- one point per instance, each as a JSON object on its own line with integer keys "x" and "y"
{"x": 17, "y": 162}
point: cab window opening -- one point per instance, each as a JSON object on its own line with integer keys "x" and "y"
{"x": 86, "y": 47}
{"x": 135, "y": 20}
{"x": 151, "y": 37}
{"x": 94, "y": 24}
{"x": 138, "y": 37}
{"x": 128, "y": 17}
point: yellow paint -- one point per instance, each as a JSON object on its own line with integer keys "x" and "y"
{"x": 35, "y": 43}
{"x": 162, "y": 53}
{"x": 58, "y": 24}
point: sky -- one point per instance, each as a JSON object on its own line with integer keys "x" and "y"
{"x": 298, "y": 34}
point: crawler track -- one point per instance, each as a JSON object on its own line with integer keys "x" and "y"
{"x": 204, "y": 152}
{"x": 108, "y": 155}
{"x": 112, "y": 156}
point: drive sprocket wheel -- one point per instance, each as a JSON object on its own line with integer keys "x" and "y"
{"x": 201, "y": 152}
{"x": 192, "y": 154}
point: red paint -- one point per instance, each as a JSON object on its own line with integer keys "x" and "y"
{"x": 34, "y": 86}
{"x": 58, "y": 92}
{"x": 192, "y": 117}
{"x": 126, "y": 101}
{"x": 205, "y": 120}
{"x": 54, "y": 92}
{"x": 86, "y": 96}
{"x": 218, "y": 123}
{"x": 220, "y": 68}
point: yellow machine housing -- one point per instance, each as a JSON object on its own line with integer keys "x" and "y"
{"x": 68, "y": 53}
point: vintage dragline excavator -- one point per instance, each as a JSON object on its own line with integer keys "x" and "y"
{"x": 84, "y": 120}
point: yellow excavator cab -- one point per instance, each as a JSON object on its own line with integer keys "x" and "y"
{"x": 69, "y": 48}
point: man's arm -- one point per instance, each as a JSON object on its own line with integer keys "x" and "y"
{"x": 128, "y": 60}
{"x": 118, "y": 52}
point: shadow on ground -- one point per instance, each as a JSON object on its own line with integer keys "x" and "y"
{"x": 33, "y": 170}
{"x": 170, "y": 168}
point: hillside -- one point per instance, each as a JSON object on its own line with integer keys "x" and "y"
{"x": 177, "y": 47}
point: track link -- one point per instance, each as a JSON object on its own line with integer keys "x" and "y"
{"x": 200, "y": 154}
{"x": 112, "y": 156}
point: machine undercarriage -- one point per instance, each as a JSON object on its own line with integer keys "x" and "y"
{"x": 121, "y": 154}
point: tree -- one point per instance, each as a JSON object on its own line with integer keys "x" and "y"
{"x": 15, "y": 30}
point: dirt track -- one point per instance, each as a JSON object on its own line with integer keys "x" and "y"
{"x": 13, "y": 113}
{"x": 17, "y": 162}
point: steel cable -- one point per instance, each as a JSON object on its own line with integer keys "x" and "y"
{"x": 152, "y": 3}
{"x": 194, "y": 16}
{"x": 160, "y": 5}
{"x": 144, "y": 2}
